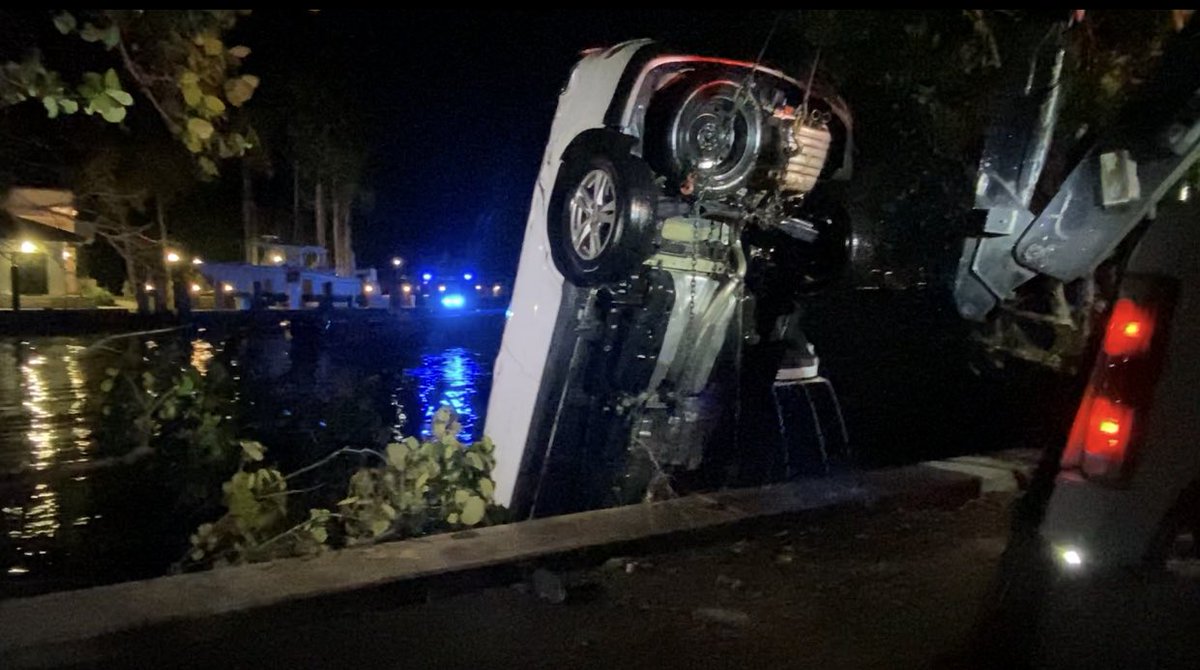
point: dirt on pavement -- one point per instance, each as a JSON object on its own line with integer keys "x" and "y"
{"x": 883, "y": 589}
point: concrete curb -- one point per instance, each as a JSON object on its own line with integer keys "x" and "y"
{"x": 50, "y": 621}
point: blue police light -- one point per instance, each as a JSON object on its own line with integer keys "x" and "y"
{"x": 467, "y": 276}
{"x": 426, "y": 276}
{"x": 452, "y": 301}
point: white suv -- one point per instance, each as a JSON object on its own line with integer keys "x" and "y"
{"x": 684, "y": 203}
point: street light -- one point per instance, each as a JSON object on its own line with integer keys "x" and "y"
{"x": 172, "y": 257}
{"x": 276, "y": 259}
{"x": 28, "y": 247}
{"x": 197, "y": 261}
{"x": 397, "y": 261}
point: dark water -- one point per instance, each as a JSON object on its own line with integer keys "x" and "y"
{"x": 300, "y": 396}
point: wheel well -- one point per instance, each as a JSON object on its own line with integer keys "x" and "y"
{"x": 599, "y": 139}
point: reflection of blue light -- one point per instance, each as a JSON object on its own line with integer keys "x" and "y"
{"x": 453, "y": 301}
{"x": 468, "y": 276}
{"x": 426, "y": 276}
{"x": 449, "y": 378}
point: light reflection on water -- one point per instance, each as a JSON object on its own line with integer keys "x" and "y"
{"x": 46, "y": 421}
{"x": 452, "y": 377}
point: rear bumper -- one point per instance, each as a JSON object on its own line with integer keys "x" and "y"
{"x": 1104, "y": 526}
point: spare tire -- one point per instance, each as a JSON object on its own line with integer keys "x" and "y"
{"x": 709, "y": 128}
{"x": 601, "y": 216}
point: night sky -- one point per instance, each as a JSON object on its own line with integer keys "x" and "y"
{"x": 457, "y": 107}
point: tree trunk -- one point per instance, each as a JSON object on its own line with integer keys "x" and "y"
{"x": 166, "y": 290}
{"x": 337, "y": 229}
{"x": 248, "y": 223}
{"x": 131, "y": 274}
{"x": 347, "y": 240}
{"x": 296, "y": 203}
{"x": 319, "y": 212}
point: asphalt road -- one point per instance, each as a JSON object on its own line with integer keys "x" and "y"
{"x": 883, "y": 589}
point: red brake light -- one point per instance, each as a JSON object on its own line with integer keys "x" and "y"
{"x": 1107, "y": 438}
{"x": 1129, "y": 329}
{"x": 1100, "y": 436}
{"x": 1103, "y": 443}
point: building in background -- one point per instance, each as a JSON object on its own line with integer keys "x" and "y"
{"x": 40, "y": 236}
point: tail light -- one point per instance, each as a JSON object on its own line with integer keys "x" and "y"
{"x": 1103, "y": 441}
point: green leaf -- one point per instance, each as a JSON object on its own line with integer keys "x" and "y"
{"x": 475, "y": 460}
{"x": 185, "y": 386}
{"x": 111, "y": 372}
{"x": 121, "y": 97}
{"x": 461, "y": 495}
{"x": 91, "y": 33}
{"x": 397, "y": 456}
{"x": 65, "y": 22}
{"x": 212, "y": 45}
{"x": 68, "y": 106}
{"x": 452, "y": 517}
{"x": 473, "y": 510}
{"x": 51, "y": 106}
{"x": 188, "y": 78}
{"x": 379, "y": 526}
{"x": 207, "y": 166}
{"x": 113, "y": 114}
{"x": 192, "y": 95}
{"x": 111, "y": 36}
{"x": 487, "y": 488}
{"x": 111, "y": 81}
{"x": 237, "y": 92}
{"x": 214, "y": 104}
{"x": 239, "y": 51}
{"x": 320, "y": 534}
{"x": 253, "y": 451}
{"x": 106, "y": 386}
{"x": 202, "y": 129}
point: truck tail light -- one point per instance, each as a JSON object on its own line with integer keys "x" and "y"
{"x": 1099, "y": 438}
{"x": 1130, "y": 329}
{"x": 1104, "y": 438}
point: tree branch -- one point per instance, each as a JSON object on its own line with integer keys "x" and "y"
{"x": 21, "y": 476}
{"x": 103, "y": 341}
{"x": 330, "y": 457}
{"x": 144, "y": 87}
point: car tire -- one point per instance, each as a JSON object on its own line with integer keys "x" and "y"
{"x": 686, "y": 134}
{"x": 602, "y": 216}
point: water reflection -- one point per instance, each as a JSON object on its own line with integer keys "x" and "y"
{"x": 73, "y": 530}
{"x": 202, "y": 354}
{"x": 451, "y": 377}
{"x": 42, "y": 404}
